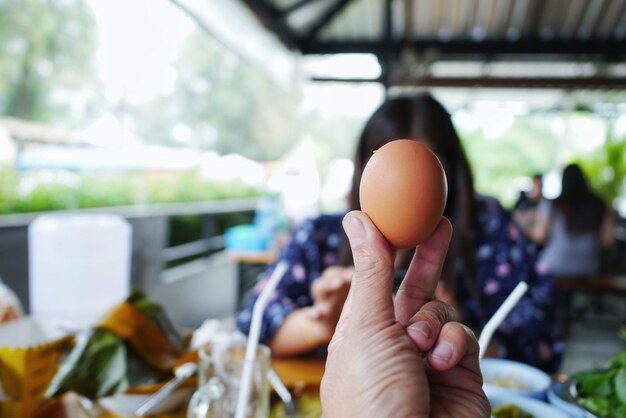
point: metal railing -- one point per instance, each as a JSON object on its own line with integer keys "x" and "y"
{"x": 156, "y": 264}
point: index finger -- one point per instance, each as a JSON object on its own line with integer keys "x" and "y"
{"x": 420, "y": 282}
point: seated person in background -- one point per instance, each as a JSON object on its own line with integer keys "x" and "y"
{"x": 573, "y": 227}
{"x": 487, "y": 258}
{"x": 525, "y": 209}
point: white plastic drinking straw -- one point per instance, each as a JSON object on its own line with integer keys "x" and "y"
{"x": 492, "y": 325}
{"x": 253, "y": 337}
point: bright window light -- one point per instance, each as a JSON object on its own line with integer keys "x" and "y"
{"x": 130, "y": 67}
{"x": 342, "y": 66}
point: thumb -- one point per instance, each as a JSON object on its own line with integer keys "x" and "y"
{"x": 373, "y": 265}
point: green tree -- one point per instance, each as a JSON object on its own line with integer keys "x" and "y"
{"x": 525, "y": 148}
{"x": 606, "y": 168}
{"x": 224, "y": 104}
{"x": 46, "y": 49}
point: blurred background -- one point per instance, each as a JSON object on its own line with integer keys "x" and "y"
{"x": 179, "y": 115}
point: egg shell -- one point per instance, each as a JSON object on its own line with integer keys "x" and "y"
{"x": 404, "y": 190}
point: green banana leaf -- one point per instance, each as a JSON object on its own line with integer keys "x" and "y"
{"x": 96, "y": 367}
{"x": 101, "y": 363}
{"x": 157, "y": 315}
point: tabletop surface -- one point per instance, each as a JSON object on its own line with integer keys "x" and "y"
{"x": 296, "y": 373}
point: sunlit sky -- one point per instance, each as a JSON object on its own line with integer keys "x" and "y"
{"x": 139, "y": 41}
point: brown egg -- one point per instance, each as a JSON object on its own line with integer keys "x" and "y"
{"x": 404, "y": 190}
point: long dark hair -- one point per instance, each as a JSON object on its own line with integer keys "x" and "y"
{"x": 583, "y": 210}
{"x": 422, "y": 118}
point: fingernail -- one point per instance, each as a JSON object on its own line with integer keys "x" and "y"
{"x": 443, "y": 351}
{"x": 354, "y": 229}
{"x": 422, "y": 327}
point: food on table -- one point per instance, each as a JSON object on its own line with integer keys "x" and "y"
{"x": 509, "y": 411}
{"x": 603, "y": 392}
{"x": 309, "y": 406}
{"x": 507, "y": 382}
{"x": 135, "y": 344}
{"x": 404, "y": 190}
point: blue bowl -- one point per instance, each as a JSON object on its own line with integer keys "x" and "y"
{"x": 514, "y": 378}
{"x": 557, "y": 398}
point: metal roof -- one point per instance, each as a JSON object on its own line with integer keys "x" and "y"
{"x": 409, "y": 36}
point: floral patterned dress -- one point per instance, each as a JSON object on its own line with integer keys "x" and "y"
{"x": 504, "y": 257}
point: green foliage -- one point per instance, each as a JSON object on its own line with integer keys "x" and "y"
{"x": 184, "y": 229}
{"x": 45, "y": 47}
{"x": 606, "y": 168}
{"x": 528, "y": 147}
{"x": 48, "y": 197}
{"x": 228, "y": 105}
{"x": 121, "y": 189}
{"x": 96, "y": 367}
{"x": 8, "y": 189}
{"x": 604, "y": 391}
{"x": 525, "y": 148}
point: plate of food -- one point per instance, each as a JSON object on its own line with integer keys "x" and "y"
{"x": 125, "y": 404}
{"x": 514, "y": 378}
{"x": 506, "y": 405}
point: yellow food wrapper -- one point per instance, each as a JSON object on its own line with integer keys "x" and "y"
{"x": 30, "y": 354}
{"x": 25, "y": 409}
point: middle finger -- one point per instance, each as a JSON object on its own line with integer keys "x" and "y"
{"x": 420, "y": 282}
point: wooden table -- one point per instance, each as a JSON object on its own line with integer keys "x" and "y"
{"x": 297, "y": 374}
{"x": 601, "y": 285}
{"x": 300, "y": 372}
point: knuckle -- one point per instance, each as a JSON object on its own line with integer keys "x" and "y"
{"x": 447, "y": 310}
{"x": 438, "y": 313}
{"x": 411, "y": 291}
{"x": 369, "y": 264}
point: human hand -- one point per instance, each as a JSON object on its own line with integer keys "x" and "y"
{"x": 402, "y": 357}
{"x": 329, "y": 293}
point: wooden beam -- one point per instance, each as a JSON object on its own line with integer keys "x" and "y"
{"x": 325, "y": 19}
{"x": 610, "y": 83}
{"x": 295, "y": 6}
{"x": 272, "y": 18}
{"x": 534, "y": 22}
{"x": 610, "y": 50}
{"x": 387, "y": 57}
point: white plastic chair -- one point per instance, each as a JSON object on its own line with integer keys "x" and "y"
{"x": 79, "y": 265}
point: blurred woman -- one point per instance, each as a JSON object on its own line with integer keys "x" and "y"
{"x": 573, "y": 228}
{"x": 487, "y": 258}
